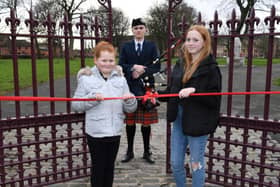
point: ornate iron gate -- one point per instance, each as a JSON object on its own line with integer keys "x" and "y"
{"x": 242, "y": 140}
{"x": 43, "y": 143}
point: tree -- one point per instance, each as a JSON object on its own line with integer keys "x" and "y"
{"x": 70, "y": 8}
{"x": 120, "y": 25}
{"x": 157, "y": 22}
{"x": 41, "y": 11}
{"x": 6, "y": 5}
{"x": 245, "y": 6}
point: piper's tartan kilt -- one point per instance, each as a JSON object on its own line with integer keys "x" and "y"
{"x": 142, "y": 116}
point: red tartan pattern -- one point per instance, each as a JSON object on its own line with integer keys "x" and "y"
{"x": 142, "y": 116}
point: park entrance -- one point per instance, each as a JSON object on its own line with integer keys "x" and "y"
{"x": 43, "y": 143}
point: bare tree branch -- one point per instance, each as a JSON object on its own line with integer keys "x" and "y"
{"x": 245, "y": 6}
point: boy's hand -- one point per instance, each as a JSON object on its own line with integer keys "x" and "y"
{"x": 99, "y": 96}
{"x": 128, "y": 96}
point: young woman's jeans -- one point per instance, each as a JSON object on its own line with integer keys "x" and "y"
{"x": 179, "y": 143}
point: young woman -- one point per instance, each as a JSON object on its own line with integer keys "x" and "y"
{"x": 104, "y": 118}
{"x": 193, "y": 117}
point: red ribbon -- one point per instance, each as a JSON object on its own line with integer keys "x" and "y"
{"x": 146, "y": 96}
{"x": 150, "y": 95}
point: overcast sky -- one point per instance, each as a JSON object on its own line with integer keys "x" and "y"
{"x": 139, "y": 8}
{"x": 135, "y": 8}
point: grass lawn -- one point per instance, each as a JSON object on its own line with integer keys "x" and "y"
{"x": 256, "y": 61}
{"x": 25, "y": 72}
{"x": 276, "y": 82}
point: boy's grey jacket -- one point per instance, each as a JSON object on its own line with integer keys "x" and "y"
{"x": 103, "y": 118}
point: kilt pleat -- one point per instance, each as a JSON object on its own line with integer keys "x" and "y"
{"x": 142, "y": 116}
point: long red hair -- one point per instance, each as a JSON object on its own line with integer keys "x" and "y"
{"x": 190, "y": 65}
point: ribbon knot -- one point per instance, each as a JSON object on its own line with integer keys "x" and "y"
{"x": 149, "y": 95}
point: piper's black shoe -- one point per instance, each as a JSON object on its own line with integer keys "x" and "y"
{"x": 148, "y": 158}
{"x": 128, "y": 157}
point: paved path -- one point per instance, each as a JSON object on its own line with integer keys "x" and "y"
{"x": 137, "y": 172}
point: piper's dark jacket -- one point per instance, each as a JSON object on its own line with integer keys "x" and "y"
{"x": 128, "y": 57}
{"x": 200, "y": 113}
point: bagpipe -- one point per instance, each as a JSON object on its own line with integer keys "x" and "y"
{"x": 147, "y": 102}
{"x": 149, "y": 83}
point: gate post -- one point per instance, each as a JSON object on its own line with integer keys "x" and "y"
{"x": 14, "y": 23}
{"x": 2, "y": 167}
{"x": 172, "y": 4}
{"x": 271, "y": 21}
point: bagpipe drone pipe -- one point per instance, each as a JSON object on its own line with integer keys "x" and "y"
{"x": 158, "y": 79}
